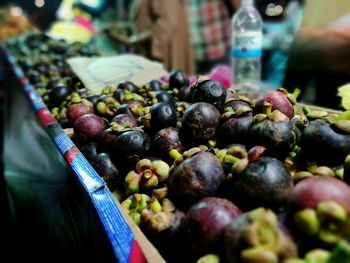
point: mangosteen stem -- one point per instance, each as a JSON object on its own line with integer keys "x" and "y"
{"x": 175, "y": 154}
{"x": 228, "y": 158}
{"x": 75, "y": 98}
{"x": 267, "y": 108}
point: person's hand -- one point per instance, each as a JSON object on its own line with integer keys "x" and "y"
{"x": 326, "y": 49}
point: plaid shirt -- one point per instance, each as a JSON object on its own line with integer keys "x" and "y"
{"x": 210, "y": 28}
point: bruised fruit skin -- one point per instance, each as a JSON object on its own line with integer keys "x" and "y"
{"x": 89, "y": 128}
{"x": 200, "y": 121}
{"x": 265, "y": 182}
{"x": 205, "y": 222}
{"x": 166, "y": 140}
{"x": 258, "y": 236}
{"x": 319, "y": 207}
{"x": 194, "y": 178}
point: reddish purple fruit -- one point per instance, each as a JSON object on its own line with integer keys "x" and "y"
{"x": 194, "y": 178}
{"x": 279, "y": 101}
{"x": 310, "y": 191}
{"x": 205, "y": 222}
{"x": 75, "y": 111}
{"x": 89, "y": 128}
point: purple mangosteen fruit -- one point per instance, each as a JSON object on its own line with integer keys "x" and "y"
{"x": 205, "y": 222}
{"x": 130, "y": 147}
{"x": 194, "y": 177}
{"x": 200, "y": 121}
{"x": 166, "y": 140}
{"x": 325, "y": 143}
{"x": 319, "y": 208}
{"x": 265, "y": 182}
{"x": 177, "y": 79}
{"x": 210, "y": 91}
{"x": 89, "y": 128}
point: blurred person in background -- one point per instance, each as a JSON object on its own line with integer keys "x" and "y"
{"x": 193, "y": 35}
{"x": 319, "y": 58}
{"x": 161, "y": 33}
{"x": 210, "y": 31}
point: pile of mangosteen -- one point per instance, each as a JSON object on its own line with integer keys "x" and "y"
{"x": 208, "y": 174}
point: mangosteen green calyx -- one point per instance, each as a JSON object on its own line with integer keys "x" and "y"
{"x": 265, "y": 182}
{"x": 147, "y": 176}
{"x": 200, "y": 121}
{"x": 78, "y": 107}
{"x": 258, "y": 236}
{"x": 320, "y": 209}
{"x": 274, "y": 131}
{"x": 107, "y": 106}
{"x": 326, "y": 143}
{"x": 210, "y": 91}
{"x": 194, "y": 175}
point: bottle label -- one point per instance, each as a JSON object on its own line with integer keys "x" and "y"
{"x": 246, "y": 45}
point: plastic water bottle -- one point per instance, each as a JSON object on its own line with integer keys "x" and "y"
{"x": 246, "y": 48}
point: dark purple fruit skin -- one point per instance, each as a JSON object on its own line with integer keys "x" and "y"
{"x": 93, "y": 98}
{"x": 322, "y": 143}
{"x": 89, "y": 128}
{"x": 277, "y": 137}
{"x": 185, "y": 94}
{"x": 107, "y": 170}
{"x": 128, "y": 85}
{"x": 130, "y": 147}
{"x": 155, "y": 85}
{"x": 235, "y": 129}
{"x": 163, "y": 96}
{"x": 75, "y": 111}
{"x": 166, "y": 140}
{"x": 196, "y": 177}
{"x": 58, "y": 94}
{"x": 163, "y": 115}
{"x": 206, "y": 221}
{"x": 124, "y": 109}
{"x": 200, "y": 121}
{"x": 178, "y": 79}
{"x": 265, "y": 182}
{"x": 103, "y": 165}
{"x": 209, "y": 91}
{"x": 122, "y": 119}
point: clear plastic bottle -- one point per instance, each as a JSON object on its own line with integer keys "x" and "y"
{"x": 247, "y": 47}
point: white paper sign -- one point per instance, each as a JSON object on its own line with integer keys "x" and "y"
{"x": 97, "y": 72}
